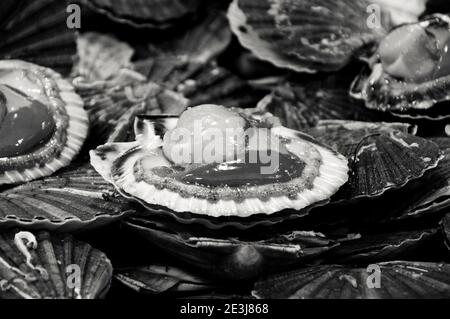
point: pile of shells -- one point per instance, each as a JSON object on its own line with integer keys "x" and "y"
{"x": 363, "y": 98}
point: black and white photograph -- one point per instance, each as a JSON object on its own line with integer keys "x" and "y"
{"x": 221, "y": 154}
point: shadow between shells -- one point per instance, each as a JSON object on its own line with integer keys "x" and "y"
{"x": 87, "y": 179}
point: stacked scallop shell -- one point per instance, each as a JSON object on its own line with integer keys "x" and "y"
{"x": 357, "y": 99}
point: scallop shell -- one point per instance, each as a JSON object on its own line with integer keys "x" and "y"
{"x": 115, "y": 162}
{"x": 157, "y": 279}
{"x": 36, "y": 31}
{"x": 45, "y": 266}
{"x": 428, "y": 195}
{"x": 78, "y": 199}
{"x": 380, "y": 91}
{"x": 382, "y": 156}
{"x": 304, "y": 36}
{"x": 187, "y": 65}
{"x": 230, "y": 257}
{"x": 101, "y": 57}
{"x": 154, "y": 14}
{"x": 112, "y": 108}
{"x": 76, "y": 130}
{"x": 302, "y": 104}
{"x": 113, "y": 93}
{"x": 202, "y": 84}
{"x": 370, "y": 248}
{"x": 445, "y": 224}
{"x": 399, "y": 280}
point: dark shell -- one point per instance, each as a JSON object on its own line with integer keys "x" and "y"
{"x": 445, "y": 224}
{"x": 381, "y": 91}
{"x": 302, "y": 104}
{"x": 158, "y": 279}
{"x": 382, "y": 156}
{"x": 370, "y": 248}
{"x": 36, "y": 31}
{"x": 45, "y": 269}
{"x": 399, "y": 280}
{"x": 230, "y": 257}
{"x": 74, "y": 200}
{"x": 430, "y": 194}
{"x": 158, "y": 14}
{"x": 187, "y": 66}
{"x": 305, "y": 36}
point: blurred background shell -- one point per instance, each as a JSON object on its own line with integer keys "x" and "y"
{"x": 77, "y": 199}
{"x": 37, "y": 31}
{"x": 42, "y": 266}
{"x": 398, "y": 280}
{"x": 188, "y": 65}
{"x": 163, "y": 279}
{"x": 113, "y": 93}
{"x": 158, "y": 14}
{"x": 301, "y": 102}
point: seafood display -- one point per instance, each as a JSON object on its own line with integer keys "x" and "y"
{"x": 249, "y": 149}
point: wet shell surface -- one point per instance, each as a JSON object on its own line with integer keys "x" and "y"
{"x": 383, "y": 90}
{"x": 117, "y": 164}
{"x": 304, "y": 36}
{"x": 75, "y": 200}
{"x": 43, "y": 88}
{"x": 231, "y": 257}
{"x": 40, "y": 265}
{"x": 36, "y": 31}
{"x": 158, "y": 279}
{"x": 381, "y": 156}
{"x": 399, "y": 280}
{"x": 158, "y": 14}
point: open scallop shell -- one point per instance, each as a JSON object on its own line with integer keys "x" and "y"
{"x": 302, "y": 104}
{"x": 398, "y": 280}
{"x": 37, "y": 31}
{"x": 227, "y": 257}
{"x": 381, "y": 91}
{"x": 75, "y": 200}
{"x": 48, "y": 266}
{"x": 304, "y": 36}
{"x": 76, "y": 130}
{"x": 153, "y": 14}
{"x": 382, "y": 156}
{"x": 115, "y": 162}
